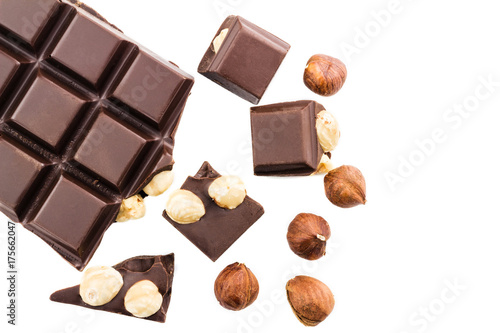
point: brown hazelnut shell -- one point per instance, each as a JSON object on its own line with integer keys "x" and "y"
{"x": 236, "y": 287}
{"x": 325, "y": 75}
{"x": 345, "y": 187}
{"x": 307, "y": 236}
{"x": 311, "y": 300}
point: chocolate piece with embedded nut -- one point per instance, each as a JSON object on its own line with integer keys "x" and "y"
{"x": 219, "y": 228}
{"x": 284, "y": 139}
{"x": 87, "y": 119}
{"x": 157, "y": 269}
{"x": 243, "y": 58}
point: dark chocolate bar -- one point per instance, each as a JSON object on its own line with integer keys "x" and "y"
{"x": 157, "y": 269}
{"x": 87, "y": 118}
{"x": 284, "y": 139}
{"x": 219, "y": 228}
{"x": 246, "y": 61}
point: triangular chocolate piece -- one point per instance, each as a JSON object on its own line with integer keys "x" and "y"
{"x": 158, "y": 269}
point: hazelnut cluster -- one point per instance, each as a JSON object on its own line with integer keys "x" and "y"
{"x": 100, "y": 285}
{"x": 134, "y": 208}
{"x": 185, "y": 207}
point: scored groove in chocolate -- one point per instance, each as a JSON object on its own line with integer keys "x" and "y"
{"x": 45, "y": 63}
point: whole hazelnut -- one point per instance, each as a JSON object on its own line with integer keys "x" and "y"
{"x": 325, "y": 75}
{"x": 159, "y": 184}
{"x": 236, "y": 287}
{"x": 307, "y": 236}
{"x": 345, "y": 187}
{"x": 228, "y": 191}
{"x": 132, "y": 208}
{"x": 100, "y": 284}
{"x": 184, "y": 207}
{"x": 311, "y": 300}
{"x": 143, "y": 299}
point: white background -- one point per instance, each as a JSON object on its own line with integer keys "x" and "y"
{"x": 390, "y": 261}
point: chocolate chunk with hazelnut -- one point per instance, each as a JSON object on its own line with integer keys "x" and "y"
{"x": 132, "y": 208}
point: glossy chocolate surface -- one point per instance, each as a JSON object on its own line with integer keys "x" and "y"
{"x": 247, "y": 60}
{"x": 157, "y": 269}
{"x": 87, "y": 118}
{"x": 284, "y": 139}
{"x": 219, "y": 228}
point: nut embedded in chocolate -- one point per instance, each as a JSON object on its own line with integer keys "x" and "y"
{"x": 143, "y": 299}
{"x": 184, "y": 207}
{"x": 228, "y": 191}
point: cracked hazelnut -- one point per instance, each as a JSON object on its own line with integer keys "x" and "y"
{"x": 328, "y": 131}
{"x": 325, "y": 165}
{"x": 184, "y": 207}
{"x": 159, "y": 184}
{"x": 227, "y": 191}
{"x": 99, "y": 285}
{"x": 143, "y": 299}
{"x": 307, "y": 236}
{"x": 132, "y": 208}
{"x": 311, "y": 300}
{"x": 325, "y": 75}
{"x": 217, "y": 43}
{"x": 236, "y": 287}
{"x": 345, "y": 187}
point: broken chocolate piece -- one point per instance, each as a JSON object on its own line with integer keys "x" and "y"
{"x": 284, "y": 139}
{"x": 245, "y": 58}
{"x": 157, "y": 269}
{"x": 87, "y": 119}
{"x": 219, "y": 228}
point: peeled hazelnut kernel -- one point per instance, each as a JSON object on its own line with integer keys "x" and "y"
{"x": 345, "y": 187}
{"x": 325, "y": 75}
{"x": 325, "y": 165}
{"x": 217, "y": 43}
{"x": 327, "y": 129}
{"x": 159, "y": 184}
{"x": 228, "y": 191}
{"x": 100, "y": 284}
{"x": 132, "y": 208}
{"x": 311, "y": 300}
{"x": 307, "y": 236}
{"x": 143, "y": 299}
{"x": 185, "y": 207}
{"x": 236, "y": 287}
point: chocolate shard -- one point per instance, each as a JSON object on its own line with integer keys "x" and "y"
{"x": 87, "y": 118}
{"x": 247, "y": 59}
{"x": 157, "y": 269}
{"x": 284, "y": 138}
{"x": 219, "y": 228}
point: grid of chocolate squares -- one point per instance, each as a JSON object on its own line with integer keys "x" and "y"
{"x": 87, "y": 124}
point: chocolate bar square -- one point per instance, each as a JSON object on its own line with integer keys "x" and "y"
{"x": 76, "y": 229}
{"x": 44, "y": 102}
{"x": 284, "y": 139}
{"x": 8, "y": 67}
{"x": 26, "y": 18}
{"x": 247, "y": 60}
{"x": 27, "y": 168}
{"x": 86, "y": 48}
{"x": 219, "y": 228}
